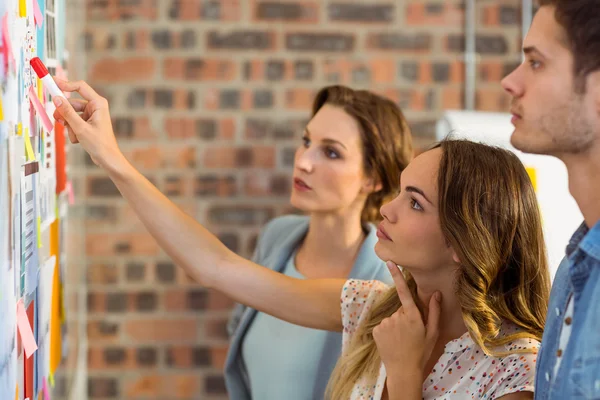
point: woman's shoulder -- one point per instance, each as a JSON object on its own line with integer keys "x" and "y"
{"x": 282, "y": 229}
{"x": 357, "y": 298}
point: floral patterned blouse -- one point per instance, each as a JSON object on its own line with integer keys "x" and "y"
{"x": 464, "y": 371}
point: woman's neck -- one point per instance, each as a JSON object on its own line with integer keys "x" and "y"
{"x": 451, "y": 322}
{"x": 332, "y": 243}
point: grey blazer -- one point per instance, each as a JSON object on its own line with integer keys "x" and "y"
{"x": 276, "y": 244}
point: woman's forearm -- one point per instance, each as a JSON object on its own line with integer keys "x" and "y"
{"x": 311, "y": 303}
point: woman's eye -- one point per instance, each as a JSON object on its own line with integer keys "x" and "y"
{"x": 535, "y": 64}
{"x": 415, "y": 205}
{"x": 305, "y": 141}
{"x": 330, "y": 153}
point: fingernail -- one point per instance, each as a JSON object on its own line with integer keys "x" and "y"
{"x": 390, "y": 265}
{"x": 438, "y": 296}
{"x": 57, "y": 101}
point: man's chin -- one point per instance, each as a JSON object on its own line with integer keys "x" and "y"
{"x": 526, "y": 142}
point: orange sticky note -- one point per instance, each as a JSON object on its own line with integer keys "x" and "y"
{"x": 25, "y": 331}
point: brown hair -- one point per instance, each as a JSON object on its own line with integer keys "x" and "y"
{"x": 581, "y": 22}
{"x": 385, "y": 136}
{"x": 489, "y": 214}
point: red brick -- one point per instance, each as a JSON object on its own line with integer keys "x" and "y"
{"x": 192, "y": 10}
{"x": 199, "y": 69}
{"x": 491, "y": 71}
{"x": 218, "y": 301}
{"x": 104, "y": 331}
{"x": 230, "y": 157}
{"x": 146, "y": 386}
{"x": 113, "y": 70}
{"x": 296, "y": 12}
{"x": 107, "y": 244}
{"x": 161, "y": 330}
{"x": 122, "y": 10}
{"x": 175, "y": 300}
{"x": 97, "y": 358}
{"x": 102, "y": 274}
{"x": 452, "y": 98}
{"x": 419, "y": 13}
{"x": 299, "y": 99}
{"x": 218, "y": 356}
{"x": 492, "y": 99}
{"x": 138, "y": 39}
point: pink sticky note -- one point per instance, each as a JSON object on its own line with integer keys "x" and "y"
{"x": 6, "y": 45}
{"x": 69, "y": 188}
{"x": 40, "y": 109}
{"x": 37, "y": 14}
{"x": 45, "y": 391}
{"x": 25, "y": 330}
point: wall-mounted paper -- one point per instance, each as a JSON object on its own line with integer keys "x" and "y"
{"x": 30, "y": 263}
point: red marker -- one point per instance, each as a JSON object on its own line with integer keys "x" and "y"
{"x": 42, "y": 73}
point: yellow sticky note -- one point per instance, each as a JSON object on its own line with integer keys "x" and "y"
{"x": 51, "y": 380}
{"x": 19, "y": 129}
{"x": 533, "y": 176}
{"x": 40, "y": 91}
{"x": 39, "y": 231}
{"x": 28, "y": 147}
{"x": 22, "y": 8}
{"x": 1, "y": 109}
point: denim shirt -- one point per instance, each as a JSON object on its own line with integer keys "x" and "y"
{"x": 578, "y": 376}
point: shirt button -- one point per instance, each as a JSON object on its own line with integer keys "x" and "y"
{"x": 547, "y": 377}
{"x": 568, "y": 320}
{"x": 557, "y": 312}
{"x": 559, "y": 353}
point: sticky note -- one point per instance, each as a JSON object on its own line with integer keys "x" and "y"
{"x": 1, "y": 109}
{"x": 533, "y": 176}
{"x": 39, "y": 232}
{"x": 37, "y": 14}
{"x": 40, "y": 110}
{"x": 17, "y": 393}
{"x": 19, "y": 129}
{"x": 28, "y": 148}
{"x": 45, "y": 387}
{"x": 40, "y": 90}
{"x": 25, "y": 330}
{"x": 51, "y": 379}
{"x": 6, "y": 43}
{"x": 22, "y": 8}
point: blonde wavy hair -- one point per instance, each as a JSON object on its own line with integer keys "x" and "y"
{"x": 489, "y": 215}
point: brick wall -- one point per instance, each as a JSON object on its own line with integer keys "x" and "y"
{"x": 209, "y": 99}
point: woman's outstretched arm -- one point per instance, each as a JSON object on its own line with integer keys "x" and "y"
{"x": 311, "y": 303}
